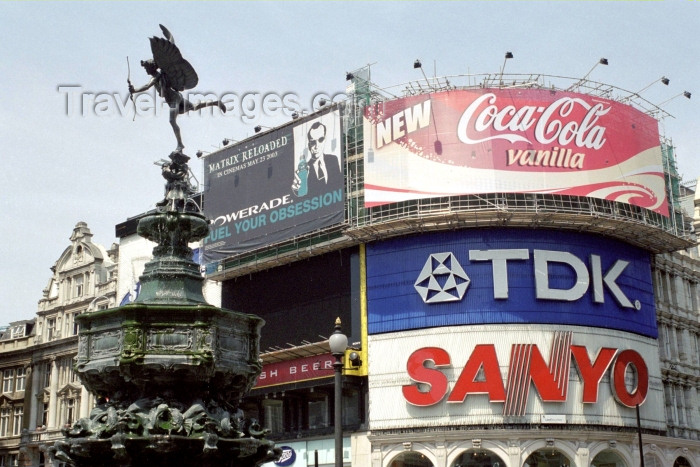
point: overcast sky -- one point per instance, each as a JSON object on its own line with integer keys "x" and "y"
{"x": 72, "y": 150}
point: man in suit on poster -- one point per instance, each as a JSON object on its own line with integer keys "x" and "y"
{"x": 321, "y": 171}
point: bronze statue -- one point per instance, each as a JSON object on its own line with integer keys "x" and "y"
{"x": 171, "y": 74}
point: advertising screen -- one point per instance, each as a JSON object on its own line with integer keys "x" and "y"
{"x": 287, "y": 182}
{"x": 495, "y": 276}
{"x": 511, "y": 141}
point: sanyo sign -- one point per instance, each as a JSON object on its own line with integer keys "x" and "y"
{"x": 514, "y": 373}
{"x": 495, "y": 276}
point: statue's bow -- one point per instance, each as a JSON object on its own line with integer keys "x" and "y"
{"x": 128, "y": 80}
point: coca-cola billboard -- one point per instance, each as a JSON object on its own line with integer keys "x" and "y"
{"x": 512, "y": 141}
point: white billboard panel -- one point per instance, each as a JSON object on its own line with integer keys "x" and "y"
{"x": 513, "y": 374}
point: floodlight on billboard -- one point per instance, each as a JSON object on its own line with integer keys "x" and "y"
{"x": 272, "y": 187}
{"x": 512, "y": 141}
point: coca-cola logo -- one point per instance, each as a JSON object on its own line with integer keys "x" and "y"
{"x": 569, "y": 120}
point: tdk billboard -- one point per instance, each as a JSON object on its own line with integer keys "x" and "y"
{"x": 494, "y": 276}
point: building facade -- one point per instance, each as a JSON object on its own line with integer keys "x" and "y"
{"x": 41, "y": 393}
{"x": 511, "y": 300}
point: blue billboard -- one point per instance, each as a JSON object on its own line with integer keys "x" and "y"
{"x": 275, "y": 186}
{"x": 492, "y": 276}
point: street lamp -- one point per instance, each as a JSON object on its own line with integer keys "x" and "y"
{"x": 338, "y": 342}
{"x": 602, "y": 61}
{"x": 685, "y": 94}
{"x": 508, "y": 55}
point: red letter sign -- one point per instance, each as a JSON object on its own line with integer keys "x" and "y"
{"x": 434, "y": 378}
{"x": 591, "y": 374}
{"x": 636, "y": 397}
{"x": 483, "y": 355}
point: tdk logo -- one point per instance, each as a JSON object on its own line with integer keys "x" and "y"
{"x": 443, "y": 279}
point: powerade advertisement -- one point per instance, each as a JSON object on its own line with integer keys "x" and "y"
{"x": 462, "y": 142}
{"x": 285, "y": 183}
{"x": 498, "y": 276}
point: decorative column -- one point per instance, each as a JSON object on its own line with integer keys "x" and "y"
{"x": 34, "y": 389}
{"x": 684, "y": 344}
{"x": 440, "y": 453}
{"x": 582, "y": 454}
{"x": 514, "y": 452}
{"x": 53, "y": 398}
{"x": 84, "y": 402}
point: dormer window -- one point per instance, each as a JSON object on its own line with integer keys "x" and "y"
{"x": 18, "y": 331}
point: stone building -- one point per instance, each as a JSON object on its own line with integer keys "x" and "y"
{"x": 41, "y": 393}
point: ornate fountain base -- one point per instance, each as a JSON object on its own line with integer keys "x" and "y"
{"x": 166, "y": 450}
{"x": 168, "y": 370}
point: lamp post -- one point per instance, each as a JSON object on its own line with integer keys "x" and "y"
{"x": 685, "y": 94}
{"x": 508, "y": 55}
{"x": 338, "y": 342}
{"x": 602, "y": 61}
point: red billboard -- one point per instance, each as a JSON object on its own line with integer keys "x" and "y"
{"x": 512, "y": 141}
{"x": 294, "y": 371}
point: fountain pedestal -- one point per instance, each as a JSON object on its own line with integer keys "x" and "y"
{"x": 169, "y": 369}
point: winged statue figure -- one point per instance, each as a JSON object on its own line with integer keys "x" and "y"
{"x": 171, "y": 74}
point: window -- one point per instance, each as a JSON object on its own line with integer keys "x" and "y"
{"x": 21, "y": 377}
{"x": 78, "y": 286}
{"x": 8, "y": 377}
{"x": 17, "y": 420}
{"x": 53, "y": 290}
{"x": 47, "y": 374}
{"x": 351, "y": 407}
{"x": 51, "y": 333}
{"x": 76, "y": 326}
{"x": 45, "y": 415}
{"x": 70, "y": 410}
{"x": 18, "y": 331}
{"x": 66, "y": 374}
{"x": 4, "y": 421}
{"x": 318, "y": 411}
{"x": 273, "y": 412}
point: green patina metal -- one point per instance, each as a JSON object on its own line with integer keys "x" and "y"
{"x": 168, "y": 369}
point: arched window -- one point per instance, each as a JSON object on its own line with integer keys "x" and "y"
{"x": 681, "y": 462}
{"x": 478, "y": 458}
{"x": 608, "y": 458}
{"x": 410, "y": 459}
{"x": 548, "y": 457}
{"x": 79, "y": 253}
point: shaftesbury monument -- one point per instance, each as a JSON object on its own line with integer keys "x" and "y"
{"x": 169, "y": 369}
